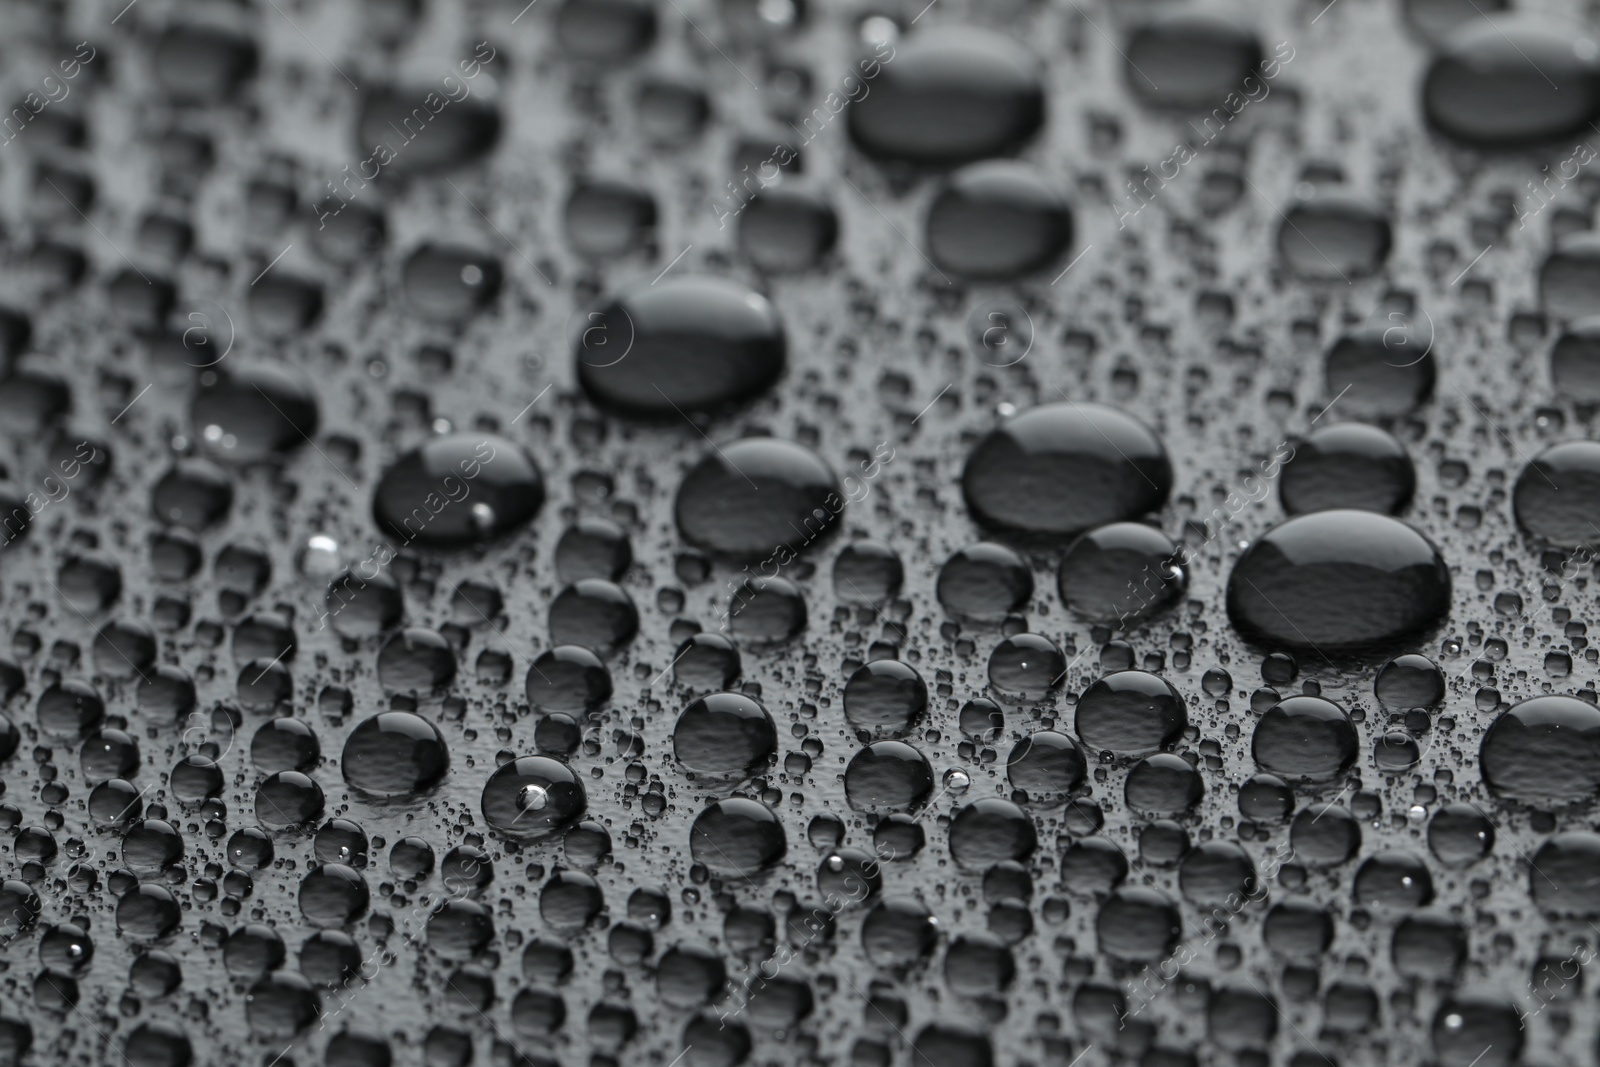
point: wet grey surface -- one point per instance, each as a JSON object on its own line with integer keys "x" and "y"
{"x": 1205, "y": 314}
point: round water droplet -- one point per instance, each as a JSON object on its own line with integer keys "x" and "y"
{"x": 885, "y": 698}
{"x": 1027, "y": 666}
{"x": 439, "y": 286}
{"x": 1544, "y": 752}
{"x": 1192, "y": 60}
{"x": 950, "y": 96}
{"x": 1130, "y": 713}
{"x": 686, "y": 344}
{"x": 888, "y": 776}
{"x": 506, "y": 798}
{"x": 1062, "y": 468}
{"x": 1334, "y": 237}
{"x": 758, "y": 497}
{"x": 785, "y": 229}
{"x": 1349, "y": 465}
{"x": 1138, "y": 923}
{"x": 461, "y": 132}
{"x": 394, "y": 754}
{"x": 738, "y": 837}
{"x": 990, "y": 831}
{"x": 429, "y": 495}
{"x": 1120, "y": 573}
{"x": 1305, "y": 739}
{"x": 725, "y": 735}
{"x": 608, "y": 218}
{"x": 1338, "y": 581}
{"x": 997, "y": 220}
{"x": 1512, "y": 79}
{"x": 1557, "y": 495}
{"x": 1046, "y": 766}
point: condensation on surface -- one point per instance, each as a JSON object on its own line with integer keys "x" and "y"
{"x": 378, "y": 563}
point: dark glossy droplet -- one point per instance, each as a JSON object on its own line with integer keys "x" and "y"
{"x": 1120, "y": 573}
{"x": 1568, "y": 277}
{"x": 888, "y": 776}
{"x": 1379, "y": 374}
{"x": 193, "y": 493}
{"x": 1063, "y": 468}
{"x": 1459, "y": 834}
{"x": 1338, "y": 581}
{"x": 394, "y": 754}
{"x": 1348, "y": 465}
{"x": 758, "y": 497}
{"x": 288, "y": 799}
{"x": 1163, "y": 785}
{"x": 1138, "y": 923}
{"x": 1130, "y": 713}
{"x": 997, "y": 220}
{"x": 725, "y": 735}
{"x": 416, "y": 129}
{"x": 1510, "y": 80}
{"x": 984, "y": 582}
{"x": 885, "y": 698}
{"x": 1393, "y": 881}
{"x": 1334, "y": 237}
{"x": 608, "y": 218}
{"x": 605, "y": 30}
{"x": 1046, "y": 766}
{"x": 1305, "y": 739}
{"x": 458, "y": 490}
{"x": 593, "y": 614}
{"x": 416, "y": 660}
{"x": 568, "y": 678}
{"x": 783, "y": 230}
{"x": 450, "y": 283}
{"x": 1027, "y": 666}
{"x": 1555, "y": 497}
{"x": 737, "y": 836}
{"x": 203, "y": 64}
{"x": 949, "y": 96}
{"x": 1544, "y": 752}
{"x": 1193, "y": 60}
{"x": 686, "y": 344}
{"x": 246, "y": 412}
{"x": 533, "y": 797}
{"x": 1575, "y": 362}
{"x": 990, "y": 831}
